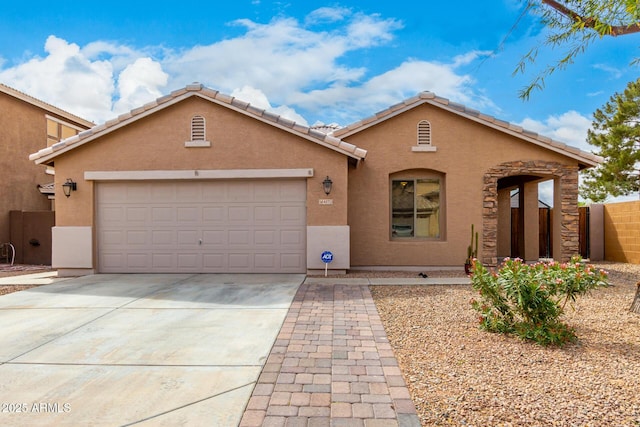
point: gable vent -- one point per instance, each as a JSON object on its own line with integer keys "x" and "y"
{"x": 197, "y": 128}
{"x": 424, "y": 133}
{"x": 198, "y": 133}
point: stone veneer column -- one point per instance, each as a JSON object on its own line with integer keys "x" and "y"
{"x": 570, "y": 223}
{"x": 566, "y": 227}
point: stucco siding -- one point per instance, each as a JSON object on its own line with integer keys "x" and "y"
{"x": 157, "y": 143}
{"x": 465, "y": 151}
{"x": 23, "y": 132}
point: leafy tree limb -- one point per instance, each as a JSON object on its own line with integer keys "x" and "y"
{"x": 574, "y": 25}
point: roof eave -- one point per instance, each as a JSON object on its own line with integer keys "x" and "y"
{"x": 505, "y": 127}
{"x": 47, "y": 155}
{"x": 45, "y": 106}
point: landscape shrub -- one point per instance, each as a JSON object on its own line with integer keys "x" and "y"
{"x": 528, "y": 299}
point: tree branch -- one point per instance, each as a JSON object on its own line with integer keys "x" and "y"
{"x": 591, "y": 21}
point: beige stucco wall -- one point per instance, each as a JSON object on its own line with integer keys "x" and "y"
{"x": 157, "y": 142}
{"x": 622, "y": 232}
{"x": 23, "y": 132}
{"x": 465, "y": 151}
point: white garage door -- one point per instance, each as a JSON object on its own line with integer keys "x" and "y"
{"x": 235, "y": 226}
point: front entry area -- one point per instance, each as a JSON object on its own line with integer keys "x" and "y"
{"x": 208, "y": 226}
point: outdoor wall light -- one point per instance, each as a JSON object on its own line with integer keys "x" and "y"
{"x": 326, "y": 185}
{"x": 68, "y": 187}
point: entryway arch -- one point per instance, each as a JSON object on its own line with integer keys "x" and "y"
{"x": 525, "y": 173}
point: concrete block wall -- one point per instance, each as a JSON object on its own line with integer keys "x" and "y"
{"x": 621, "y": 225}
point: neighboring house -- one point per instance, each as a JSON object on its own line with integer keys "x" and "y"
{"x": 198, "y": 181}
{"x": 28, "y": 125}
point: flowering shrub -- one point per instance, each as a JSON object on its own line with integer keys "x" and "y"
{"x": 528, "y": 299}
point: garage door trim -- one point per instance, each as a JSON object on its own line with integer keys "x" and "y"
{"x": 197, "y": 174}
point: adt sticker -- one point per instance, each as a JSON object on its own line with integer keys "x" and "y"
{"x": 326, "y": 257}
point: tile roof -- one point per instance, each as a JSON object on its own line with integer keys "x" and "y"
{"x": 45, "y": 106}
{"x": 48, "y": 188}
{"x": 48, "y": 154}
{"x": 583, "y": 157}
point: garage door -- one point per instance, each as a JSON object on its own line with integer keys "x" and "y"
{"x": 235, "y": 226}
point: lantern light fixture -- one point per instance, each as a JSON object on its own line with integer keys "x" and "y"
{"x": 326, "y": 185}
{"x": 68, "y": 187}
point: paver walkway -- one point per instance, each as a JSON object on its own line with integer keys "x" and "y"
{"x": 331, "y": 365}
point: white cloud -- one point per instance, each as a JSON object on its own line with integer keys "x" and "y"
{"x": 258, "y": 99}
{"x": 570, "y": 127}
{"x": 139, "y": 83}
{"x": 285, "y": 66}
{"x": 381, "y": 91}
{"x": 614, "y": 72}
{"x": 327, "y": 14}
{"x": 65, "y": 78}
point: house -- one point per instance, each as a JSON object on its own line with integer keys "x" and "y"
{"x": 28, "y": 125}
{"x": 198, "y": 181}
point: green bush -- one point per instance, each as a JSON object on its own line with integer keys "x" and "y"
{"x": 528, "y": 299}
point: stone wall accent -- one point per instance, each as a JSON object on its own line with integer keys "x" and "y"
{"x": 568, "y": 176}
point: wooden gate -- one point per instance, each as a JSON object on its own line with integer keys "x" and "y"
{"x": 545, "y": 219}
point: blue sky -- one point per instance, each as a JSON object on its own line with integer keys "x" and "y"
{"x": 312, "y": 61}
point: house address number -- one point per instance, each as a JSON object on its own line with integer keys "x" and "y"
{"x": 326, "y": 201}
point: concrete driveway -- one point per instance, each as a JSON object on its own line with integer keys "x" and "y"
{"x": 138, "y": 349}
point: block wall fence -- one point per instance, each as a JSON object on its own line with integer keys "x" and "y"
{"x": 620, "y": 230}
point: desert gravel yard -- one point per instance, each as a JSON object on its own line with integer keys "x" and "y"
{"x": 460, "y": 375}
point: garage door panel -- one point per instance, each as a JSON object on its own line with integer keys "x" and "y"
{"x": 214, "y": 237}
{"x": 137, "y": 214}
{"x": 137, "y": 260}
{"x": 137, "y": 237}
{"x": 265, "y": 237}
{"x": 293, "y": 215}
{"x": 163, "y": 237}
{"x": 112, "y": 260}
{"x": 265, "y": 192}
{"x": 112, "y": 214}
{"x": 112, "y": 237}
{"x": 159, "y": 190}
{"x": 187, "y": 192}
{"x": 189, "y": 214}
{"x": 188, "y": 237}
{"x": 292, "y": 237}
{"x": 240, "y": 214}
{"x": 138, "y": 194}
{"x": 265, "y": 214}
{"x": 213, "y": 262}
{"x": 165, "y": 214}
{"x": 162, "y": 261}
{"x": 202, "y": 226}
{"x": 214, "y": 194}
{"x": 292, "y": 261}
{"x": 188, "y": 261}
{"x": 291, "y": 191}
{"x": 240, "y": 191}
{"x": 265, "y": 261}
{"x": 239, "y": 262}
{"x": 239, "y": 237}
{"x": 214, "y": 214}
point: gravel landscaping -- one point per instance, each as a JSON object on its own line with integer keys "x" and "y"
{"x": 460, "y": 375}
{"x": 19, "y": 270}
